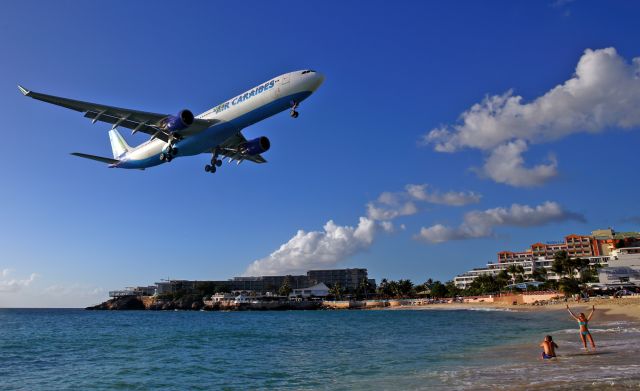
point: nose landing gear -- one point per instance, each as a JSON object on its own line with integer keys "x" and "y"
{"x": 294, "y": 106}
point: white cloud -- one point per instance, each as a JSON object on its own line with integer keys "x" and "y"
{"x": 389, "y": 205}
{"x": 13, "y": 284}
{"x": 481, "y": 224}
{"x": 451, "y": 198}
{"x": 390, "y": 212}
{"x": 316, "y": 249}
{"x": 326, "y": 248}
{"x": 387, "y": 226}
{"x": 603, "y": 94}
{"x": 505, "y": 164}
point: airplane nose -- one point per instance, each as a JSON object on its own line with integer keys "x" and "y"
{"x": 318, "y": 79}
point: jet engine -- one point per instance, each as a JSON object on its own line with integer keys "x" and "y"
{"x": 174, "y": 123}
{"x": 256, "y": 146}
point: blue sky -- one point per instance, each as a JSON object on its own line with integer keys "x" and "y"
{"x": 72, "y": 229}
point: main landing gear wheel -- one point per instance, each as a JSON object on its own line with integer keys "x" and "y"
{"x": 215, "y": 162}
{"x": 173, "y": 151}
{"x": 294, "y": 114}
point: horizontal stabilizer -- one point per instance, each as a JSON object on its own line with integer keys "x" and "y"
{"x": 23, "y": 90}
{"x": 96, "y": 158}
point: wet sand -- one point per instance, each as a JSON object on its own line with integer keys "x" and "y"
{"x": 614, "y": 364}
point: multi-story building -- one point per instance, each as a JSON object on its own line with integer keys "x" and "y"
{"x": 596, "y": 247}
{"x": 349, "y": 279}
{"x": 134, "y": 291}
{"x": 264, "y": 284}
{"x": 623, "y": 268}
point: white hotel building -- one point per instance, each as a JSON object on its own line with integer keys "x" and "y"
{"x": 597, "y": 248}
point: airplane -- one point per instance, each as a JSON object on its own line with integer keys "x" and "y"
{"x": 217, "y": 131}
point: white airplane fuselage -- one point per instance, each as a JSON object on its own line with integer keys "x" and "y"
{"x": 228, "y": 118}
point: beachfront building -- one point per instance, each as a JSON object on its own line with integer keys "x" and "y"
{"x": 623, "y": 268}
{"x": 349, "y": 279}
{"x": 597, "y": 248}
{"x": 134, "y": 291}
{"x": 265, "y": 284}
{"x": 318, "y": 290}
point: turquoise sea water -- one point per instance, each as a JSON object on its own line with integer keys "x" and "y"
{"x": 42, "y": 349}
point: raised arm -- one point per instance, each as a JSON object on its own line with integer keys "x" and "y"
{"x": 572, "y": 314}
{"x": 593, "y": 308}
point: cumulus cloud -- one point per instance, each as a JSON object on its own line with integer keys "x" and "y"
{"x": 505, "y": 164}
{"x": 604, "y": 93}
{"x": 14, "y": 284}
{"x": 450, "y": 198}
{"x": 332, "y": 245}
{"x": 316, "y": 249}
{"x": 390, "y": 205}
{"x": 390, "y": 212}
{"x": 481, "y": 224}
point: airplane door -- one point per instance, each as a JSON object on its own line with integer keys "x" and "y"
{"x": 282, "y": 84}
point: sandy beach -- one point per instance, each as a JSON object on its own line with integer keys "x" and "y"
{"x": 618, "y": 309}
{"x": 614, "y": 365}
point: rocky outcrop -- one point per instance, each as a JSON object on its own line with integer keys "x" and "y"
{"x": 120, "y": 303}
{"x": 192, "y": 303}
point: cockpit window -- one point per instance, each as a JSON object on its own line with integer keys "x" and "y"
{"x": 308, "y": 71}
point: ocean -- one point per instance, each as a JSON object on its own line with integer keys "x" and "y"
{"x": 71, "y": 349}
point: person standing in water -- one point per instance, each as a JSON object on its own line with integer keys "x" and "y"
{"x": 583, "y": 322}
{"x": 548, "y": 348}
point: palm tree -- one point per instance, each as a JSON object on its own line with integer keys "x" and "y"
{"x": 405, "y": 288}
{"x": 285, "y": 289}
{"x": 502, "y": 279}
{"x": 520, "y": 273}
{"x": 560, "y": 264}
{"x": 336, "y": 291}
{"x": 539, "y": 274}
{"x": 382, "y": 287}
{"x": 513, "y": 270}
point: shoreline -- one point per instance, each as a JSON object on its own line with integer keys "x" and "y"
{"x": 619, "y": 309}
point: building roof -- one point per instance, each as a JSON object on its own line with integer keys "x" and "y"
{"x": 317, "y": 287}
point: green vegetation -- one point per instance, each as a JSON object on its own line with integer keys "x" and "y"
{"x": 285, "y": 289}
{"x": 336, "y": 291}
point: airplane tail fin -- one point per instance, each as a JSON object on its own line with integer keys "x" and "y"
{"x": 118, "y": 145}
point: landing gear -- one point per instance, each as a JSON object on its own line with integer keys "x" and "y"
{"x": 215, "y": 162}
{"x": 294, "y": 106}
{"x": 168, "y": 153}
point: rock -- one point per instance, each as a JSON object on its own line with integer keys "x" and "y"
{"x": 120, "y": 303}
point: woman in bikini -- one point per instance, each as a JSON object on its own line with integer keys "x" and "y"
{"x": 583, "y": 322}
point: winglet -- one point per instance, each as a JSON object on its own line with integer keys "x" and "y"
{"x": 24, "y": 91}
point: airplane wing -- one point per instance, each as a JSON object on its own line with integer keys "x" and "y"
{"x": 231, "y": 148}
{"x": 138, "y": 121}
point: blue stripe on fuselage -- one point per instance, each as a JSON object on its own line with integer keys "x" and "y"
{"x": 218, "y": 133}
